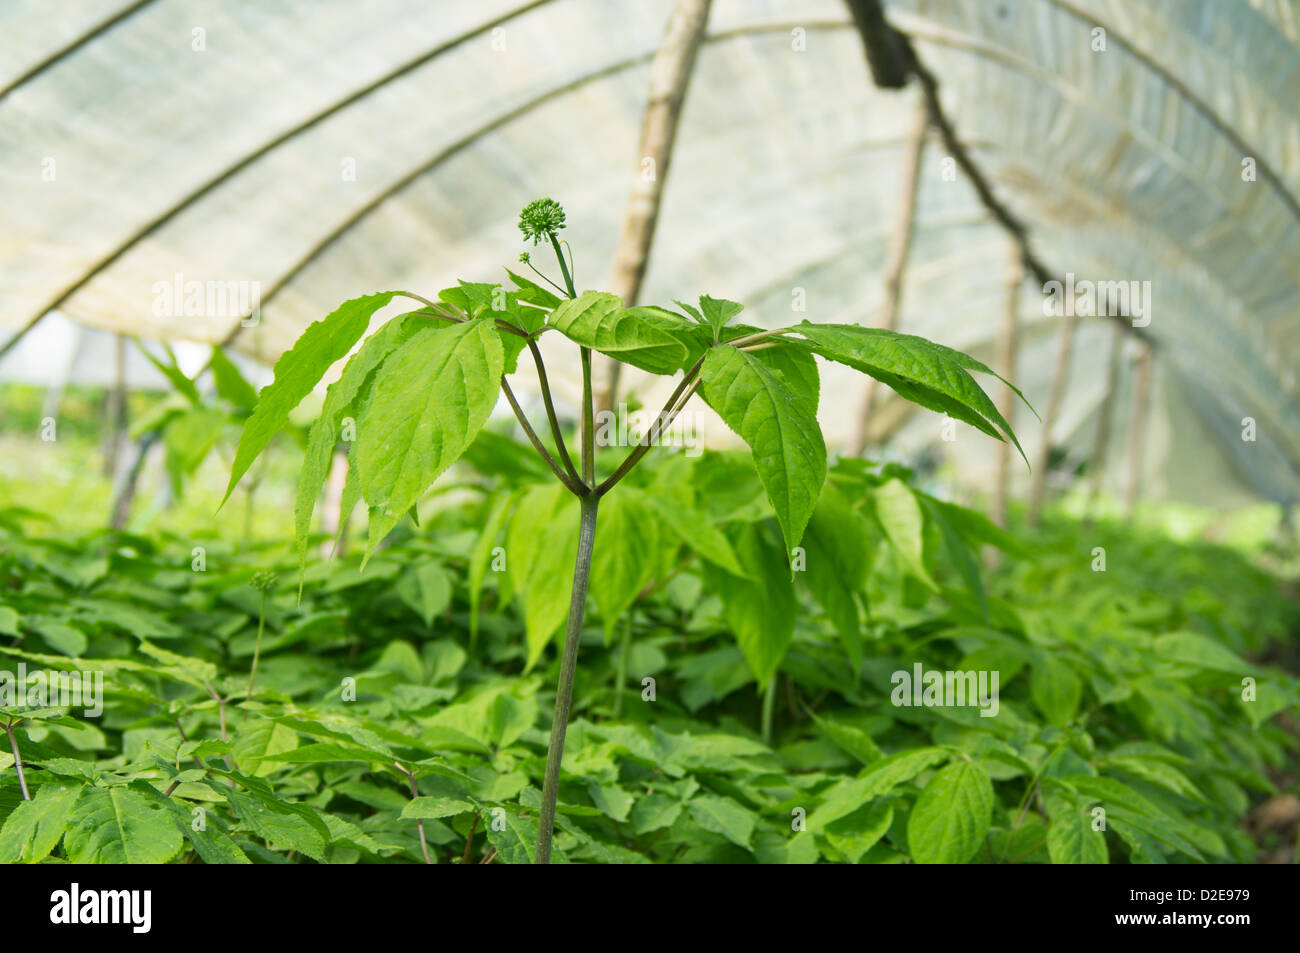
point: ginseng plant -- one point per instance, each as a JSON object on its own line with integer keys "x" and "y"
{"x": 421, "y": 387}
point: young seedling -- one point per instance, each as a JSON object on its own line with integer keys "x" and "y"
{"x": 421, "y": 388}
{"x": 263, "y": 582}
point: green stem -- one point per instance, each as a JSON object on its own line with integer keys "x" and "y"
{"x": 676, "y": 401}
{"x": 568, "y": 666}
{"x": 620, "y": 678}
{"x": 545, "y": 385}
{"x": 575, "y": 486}
{"x": 577, "y": 609}
{"x": 564, "y": 266}
{"x": 758, "y": 336}
{"x": 769, "y": 703}
{"x": 419, "y": 824}
{"x": 588, "y": 423}
{"x": 257, "y": 649}
{"x": 18, "y": 760}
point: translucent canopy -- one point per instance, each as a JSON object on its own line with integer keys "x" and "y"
{"x": 300, "y": 153}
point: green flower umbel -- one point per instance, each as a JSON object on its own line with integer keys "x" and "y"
{"x": 541, "y": 219}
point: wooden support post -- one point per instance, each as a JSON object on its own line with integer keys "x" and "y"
{"x": 1105, "y": 413}
{"x": 332, "y": 513}
{"x": 1060, "y": 378}
{"x": 1138, "y": 429}
{"x": 1008, "y": 345}
{"x": 670, "y": 74}
{"x": 900, "y": 243}
{"x": 116, "y": 408}
{"x": 124, "y": 491}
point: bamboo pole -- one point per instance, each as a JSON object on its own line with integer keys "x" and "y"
{"x": 900, "y": 243}
{"x": 116, "y": 408}
{"x": 124, "y": 491}
{"x": 1060, "y": 376}
{"x": 332, "y": 514}
{"x": 1105, "y": 413}
{"x": 1138, "y": 430}
{"x": 1008, "y": 345}
{"x": 670, "y": 74}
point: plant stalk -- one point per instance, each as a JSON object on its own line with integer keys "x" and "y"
{"x": 620, "y": 678}
{"x": 18, "y": 760}
{"x": 769, "y": 703}
{"x": 419, "y": 824}
{"x": 564, "y": 266}
{"x": 568, "y": 666}
{"x": 257, "y": 650}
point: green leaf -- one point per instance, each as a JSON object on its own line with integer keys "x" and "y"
{"x": 257, "y": 744}
{"x": 189, "y": 437}
{"x": 533, "y": 293}
{"x": 63, "y": 638}
{"x": 431, "y": 399}
{"x": 1157, "y": 773}
{"x": 722, "y": 815}
{"x": 1270, "y": 698}
{"x": 779, "y": 423}
{"x": 718, "y": 312}
{"x": 432, "y": 808}
{"x": 879, "y": 778}
{"x": 1070, "y": 838}
{"x": 281, "y": 827}
{"x": 920, "y": 370}
{"x": 1055, "y": 688}
{"x": 213, "y": 845}
{"x": 541, "y": 548}
{"x": 952, "y": 815}
{"x": 231, "y": 384}
{"x": 516, "y": 843}
{"x": 340, "y": 400}
{"x": 628, "y": 541}
{"x": 853, "y": 740}
{"x": 36, "y": 826}
{"x": 795, "y": 365}
{"x": 598, "y": 320}
{"x": 856, "y": 833}
{"x": 976, "y": 527}
{"x": 697, "y": 531}
{"x": 654, "y": 811}
{"x": 171, "y": 370}
{"x": 299, "y": 370}
{"x": 963, "y": 557}
{"x": 482, "y": 556}
{"x": 900, "y": 517}
{"x": 1123, "y": 804}
{"x": 692, "y": 311}
{"x": 836, "y": 544}
{"x": 426, "y": 589}
{"x": 611, "y": 800}
{"x": 122, "y": 825}
{"x": 1189, "y": 648}
{"x": 760, "y": 609}
{"x": 322, "y": 752}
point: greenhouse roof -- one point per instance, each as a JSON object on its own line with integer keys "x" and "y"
{"x": 303, "y": 154}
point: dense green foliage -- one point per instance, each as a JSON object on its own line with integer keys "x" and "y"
{"x": 1120, "y": 688}
{"x": 791, "y": 659}
{"x": 420, "y": 390}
